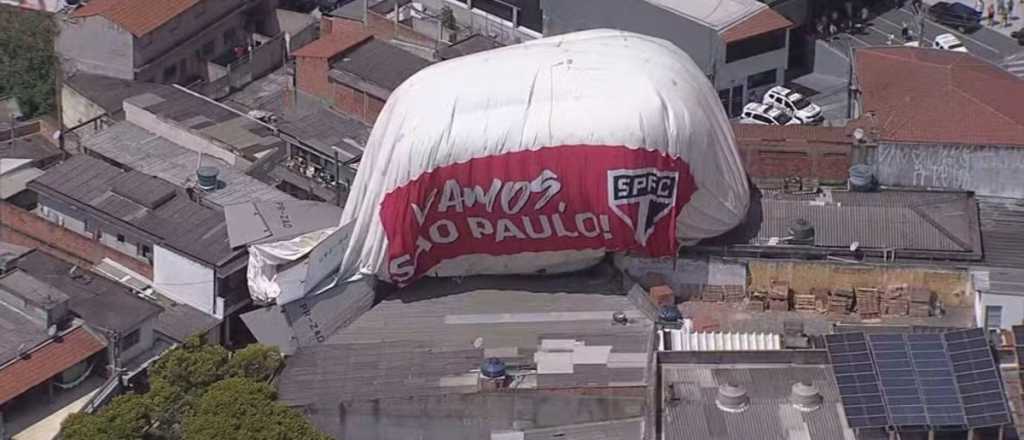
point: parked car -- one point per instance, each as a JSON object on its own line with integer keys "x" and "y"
{"x": 760, "y": 114}
{"x": 793, "y": 104}
{"x": 949, "y": 42}
{"x": 956, "y": 15}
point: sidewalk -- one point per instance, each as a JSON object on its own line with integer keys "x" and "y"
{"x": 1016, "y": 20}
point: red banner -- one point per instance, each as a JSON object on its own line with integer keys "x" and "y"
{"x": 572, "y": 197}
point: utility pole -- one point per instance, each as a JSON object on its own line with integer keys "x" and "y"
{"x": 58, "y": 77}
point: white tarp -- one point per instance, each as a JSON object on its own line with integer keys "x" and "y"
{"x": 266, "y": 279}
{"x": 541, "y": 157}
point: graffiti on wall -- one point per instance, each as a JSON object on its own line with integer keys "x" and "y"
{"x": 997, "y": 171}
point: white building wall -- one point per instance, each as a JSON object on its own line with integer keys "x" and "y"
{"x": 735, "y": 73}
{"x": 96, "y": 45}
{"x": 145, "y": 341}
{"x": 1013, "y": 309}
{"x": 183, "y": 280}
{"x": 76, "y": 109}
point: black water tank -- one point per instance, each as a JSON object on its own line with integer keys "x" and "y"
{"x": 802, "y": 232}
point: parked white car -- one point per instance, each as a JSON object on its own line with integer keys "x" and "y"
{"x": 949, "y": 42}
{"x": 754, "y": 113}
{"x": 793, "y": 104}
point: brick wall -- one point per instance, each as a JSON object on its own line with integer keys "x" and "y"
{"x": 822, "y": 153}
{"x": 24, "y": 228}
{"x": 377, "y": 25}
{"x": 311, "y": 76}
{"x": 356, "y": 103}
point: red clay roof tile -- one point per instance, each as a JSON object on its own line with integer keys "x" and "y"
{"x": 765, "y": 21}
{"x": 47, "y": 361}
{"x": 139, "y": 18}
{"x": 927, "y": 95}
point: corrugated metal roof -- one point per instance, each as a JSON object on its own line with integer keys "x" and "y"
{"x": 908, "y": 222}
{"x": 510, "y": 318}
{"x": 134, "y": 147}
{"x": 694, "y": 413}
{"x": 380, "y": 63}
{"x": 1002, "y": 231}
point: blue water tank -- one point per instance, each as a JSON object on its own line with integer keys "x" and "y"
{"x": 493, "y": 368}
{"x": 669, "y": 314}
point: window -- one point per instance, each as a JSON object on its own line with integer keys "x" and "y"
{"x": 737, "y": 101}
{"x": 120, "y": 238}
{"x": 754, "y": 46}
{"x": 763, "y": 119}
{"x": 993, "y": 317}
{"x": 145, "y": 250}
{"x": 130, "y": 340}
{"x": 723, "y": 95}
{"x": 170, "y": 73}
{"x": 766, "y": 78}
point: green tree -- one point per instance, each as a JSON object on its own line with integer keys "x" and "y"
{"x": 27, "y": 59}
{"x": 125, "y": 418}
{"x": 200, "y": 391}
{"x": 243, "y": 409}
{"x": 256, "y": 362}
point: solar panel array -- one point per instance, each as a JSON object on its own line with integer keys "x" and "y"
{"x": 932, "y": 380}
{"x": 857, "y": 380}
{"x": 977, "y": 377}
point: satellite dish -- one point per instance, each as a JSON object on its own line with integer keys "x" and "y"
{"x": 51, "y": 331}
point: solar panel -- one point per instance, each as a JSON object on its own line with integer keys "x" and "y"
{"x": 936, "y": 381}
{"x": 857, "y": 380}
{"x": 944, "y": 381}
{"x": 977, "y": 378}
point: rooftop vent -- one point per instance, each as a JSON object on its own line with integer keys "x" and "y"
{"x": 732, "y": 398}
{"x": 805, "y": 397}
{"x": 207, "y": 178}
{"x": 620, "y": 318}
{"x": 802, "y": 232}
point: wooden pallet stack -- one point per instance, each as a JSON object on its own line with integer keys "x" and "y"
{"x": 840, "y": 301}
{"x": 734, "y": 294}
{"x": 804, "y": 302}
{"x": 895, "y": 300}
{"x": 920, "y": 301}
{"x": 778, "y": 296}
{"x": 758, "y": 301}
{"x": 821, "y": 299}
{"x": 713, "y": 294}
{"x": 867, "y": 302}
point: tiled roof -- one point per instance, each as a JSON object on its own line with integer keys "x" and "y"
{"x": 139, "y": 18}
{"x": 923, "y": 95}
{"x": 766, "y": 20}
{"x": 47, "y": 361}
{"x": 331, "y": 45}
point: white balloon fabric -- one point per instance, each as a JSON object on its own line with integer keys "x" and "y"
{"x": 540, "y": 158}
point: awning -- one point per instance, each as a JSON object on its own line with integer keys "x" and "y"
{"x": 46, "y": 361}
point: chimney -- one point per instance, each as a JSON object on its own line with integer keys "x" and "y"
{"x": 805, "y": 397}
{"x": 732, "y": 398}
